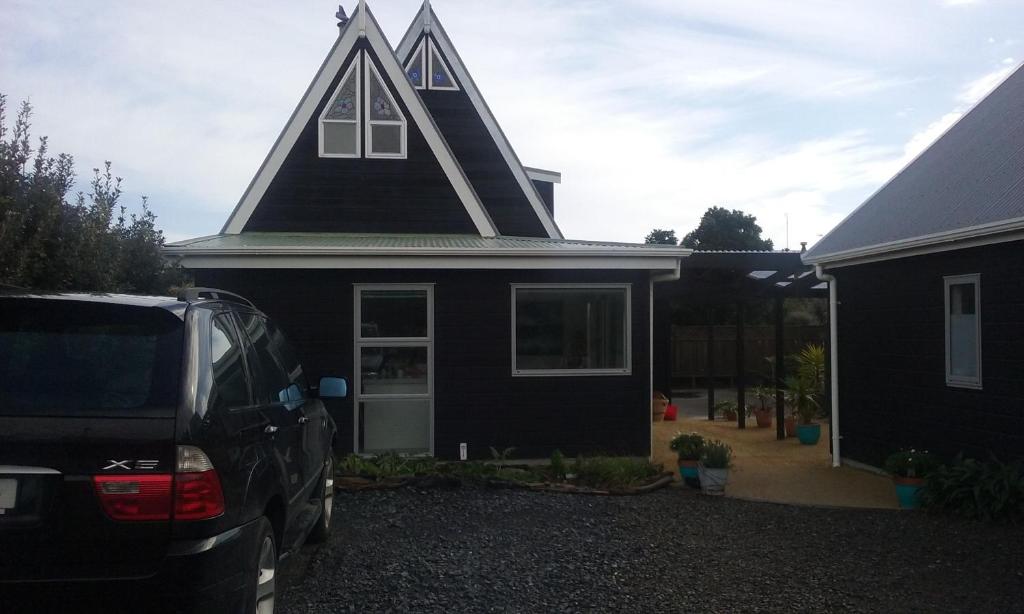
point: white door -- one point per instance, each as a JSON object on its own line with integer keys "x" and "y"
{"x": 394, "y": 360}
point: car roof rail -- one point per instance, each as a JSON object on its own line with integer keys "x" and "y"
{"x": 190, "y": 295}
{"x": 11, "y": 289}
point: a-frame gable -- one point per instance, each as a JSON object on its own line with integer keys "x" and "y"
{"x": 483, "y": 150}
{"x": 431, "y": 168}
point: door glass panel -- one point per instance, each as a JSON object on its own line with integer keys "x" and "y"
{"x": 393, "y": 313}
{"x": 394, "y": 370}
{"x": 393, "y": 425}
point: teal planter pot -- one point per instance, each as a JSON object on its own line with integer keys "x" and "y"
{"x": 908, "y": 491}
{"x": 808, "y": 434}
{"x": 689, "y": 473}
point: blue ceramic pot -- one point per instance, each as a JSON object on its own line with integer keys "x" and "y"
{"x": 808, "y": 434}
{"x": 908, "y": 491}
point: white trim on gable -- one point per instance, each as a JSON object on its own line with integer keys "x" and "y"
{"x": 307, "y": 108}
{"x": 462, "y": 75}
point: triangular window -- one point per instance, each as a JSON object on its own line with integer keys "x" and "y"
{"x": 385, "y": 125}
{"x": 439, "y": 73}
{"x": 339, "y": 122}
{"x": 416, "y": 69}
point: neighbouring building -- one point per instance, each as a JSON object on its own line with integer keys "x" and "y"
{"x": 930, "y": 295}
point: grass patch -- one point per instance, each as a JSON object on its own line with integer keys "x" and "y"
{"x": 613, "y": 471}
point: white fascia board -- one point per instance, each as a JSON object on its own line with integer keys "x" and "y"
{"x": 539, "y": 174}
{"x": 368, "y": 261}
{"x": 307, "y": 108}
{"x": 962, "y": 238}
{"x": 286, "y": 140}
{"x": 469, "y": 86}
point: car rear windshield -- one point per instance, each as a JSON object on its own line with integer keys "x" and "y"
{"x": 62, "y": 357}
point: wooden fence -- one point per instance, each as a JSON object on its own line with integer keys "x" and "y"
{"x": 690, "y": 351}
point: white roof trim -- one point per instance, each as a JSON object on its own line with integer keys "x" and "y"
{"x": 539, "y": 174}
{"x": 469, "y": 86}
{"x": 408, "y": 261}
{"x": 307, "y": 107}
{"x": 962, "y": 238}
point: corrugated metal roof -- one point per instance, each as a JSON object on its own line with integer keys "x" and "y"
{"x": 972, "y": 176}
{"x": 327, "y": 242}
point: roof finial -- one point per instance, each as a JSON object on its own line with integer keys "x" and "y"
{"x": 362, "y": 18}
{"x": 342, "y": 17}
{"x": 426, "y": 16}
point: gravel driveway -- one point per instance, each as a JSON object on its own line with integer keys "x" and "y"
{"x": 512, "y": 551}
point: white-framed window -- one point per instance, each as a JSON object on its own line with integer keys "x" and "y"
{"x": 571, "y": 329}
{"x": 963, "y": 330}
{"x": 440, "y": 75}
{"x": 416, "y": 69}
{"x": 339, "y": 121}
{"x": 385, "y": 123}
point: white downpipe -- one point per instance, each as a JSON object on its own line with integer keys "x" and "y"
{"x": 672, "y": 275}
{"x": 833, "y": 335}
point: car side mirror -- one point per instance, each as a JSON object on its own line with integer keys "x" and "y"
{"x": 333, "y": 388}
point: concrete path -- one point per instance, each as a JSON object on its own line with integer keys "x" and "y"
{"x": 766, "y": 469}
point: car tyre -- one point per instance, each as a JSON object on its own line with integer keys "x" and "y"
{"x": 261, "y": 571}
{"x": 322, "y": 529}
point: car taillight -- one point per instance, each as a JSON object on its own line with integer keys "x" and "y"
{"x": 135, "y": 497}
{"x": 193, "y": 492}
{"x": 197, "y": 491}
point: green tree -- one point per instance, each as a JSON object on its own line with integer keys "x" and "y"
{"x": 722, "y": 229}
{"x": 50, "y": 240}
{"x": 661, "y": 237}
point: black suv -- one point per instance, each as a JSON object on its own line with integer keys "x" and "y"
{"x": 162, "y": 442}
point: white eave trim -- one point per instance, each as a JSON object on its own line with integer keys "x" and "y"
{"x": 458, "y": 67}
{"x": 539, "y": 174}
{"x": 973, "y": 236}
{"x": 307, "y": 108}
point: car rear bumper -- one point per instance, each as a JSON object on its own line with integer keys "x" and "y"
{"x": 206, "y": 575}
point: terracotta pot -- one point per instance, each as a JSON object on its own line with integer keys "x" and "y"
{"x": 729, "y": 415}
{"x": 764, "y": 418}
{"x": 790, "y": 424}
{"x": 658, "y": 405}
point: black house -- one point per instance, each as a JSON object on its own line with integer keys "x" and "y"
{"x": 929, "y": 278}
{"x": 399, "y": 240}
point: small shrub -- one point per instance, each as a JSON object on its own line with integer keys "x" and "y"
{"x": 991, "y": 491}
{"x": 558, "y": 467}
{"x": 911, "y": 463}
{"x": 717, "y": 455}
{"x": 687, "y": 446}
{"x": 614, "y": 472}
{"x": 725, "y": 408}
{"x": 500, "y": 458}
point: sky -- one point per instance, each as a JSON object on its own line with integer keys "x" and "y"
{"x": 793, "y": 110}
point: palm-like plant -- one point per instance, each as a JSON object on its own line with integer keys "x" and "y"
{"x": 800, "y": 396}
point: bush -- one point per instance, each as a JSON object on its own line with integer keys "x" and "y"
{"x": 613, "y": 472}
{"x": 687, "y": 446}
{"x": 558, "y": 467}
{"x": 911, "y": 463}
{"x": 717, "y": 455}
{"x": 990, "y": 491}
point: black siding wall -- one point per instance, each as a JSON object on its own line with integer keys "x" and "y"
{"x": 893, "y": 389}
{"x": 476, "y": 399}
{"x": 314, "y": 194}
{"x": 546, "y": 189}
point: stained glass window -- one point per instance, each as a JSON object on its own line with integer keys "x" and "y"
{"x": 416, "y": 68}
{"x": 382, "y": 108}
{"x": 339, "y": 121}
{"x": 344, "y": 104}
{"x": 440, "y": 78}
{"x": 385, "y": 129}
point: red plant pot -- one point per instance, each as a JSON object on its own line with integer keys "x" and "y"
{"x": 764, "y": 418}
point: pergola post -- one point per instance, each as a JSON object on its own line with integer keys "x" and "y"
{"x": 780, "y": 367}
{"x": 741, "y": 369}
{"x": 711, "y": 363}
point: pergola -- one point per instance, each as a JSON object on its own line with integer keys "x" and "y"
{"x": 712, "y": 280}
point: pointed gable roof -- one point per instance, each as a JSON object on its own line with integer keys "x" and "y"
{"x": 506, "y": 190}
{"x": 361, "y": 31}
{"x": 967, "y": 186}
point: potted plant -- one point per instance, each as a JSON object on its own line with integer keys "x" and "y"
{"x": 727, "y": 409}
{"x": 763, "y": 414}
{"x": 806, "y": 409}
{"x": 659, "y": 403}
{"x": 909, "y": 468}
{"x": 688, "y": 448}
{"x": 713, "y": 468}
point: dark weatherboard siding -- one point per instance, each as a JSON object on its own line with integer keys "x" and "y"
{"x": 476, "y": 398}
{"x": 546, "y": 189}
{"x": 892, "y": 368}
{"x": 314, "y": 194}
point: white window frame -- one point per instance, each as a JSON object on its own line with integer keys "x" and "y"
{"x": 359, "y": 342}
{"x": 959, "y": 381}
{"x": 421, "y": 55}
{"x": 628, "y": 331}
{"x": 357, "y": 67}
{"x": 371, "y": 72}
{"x": 432, "y": 52}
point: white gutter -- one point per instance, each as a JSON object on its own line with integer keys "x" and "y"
{"x": 833, "y": 335}
{"x": 672, "y": 275}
